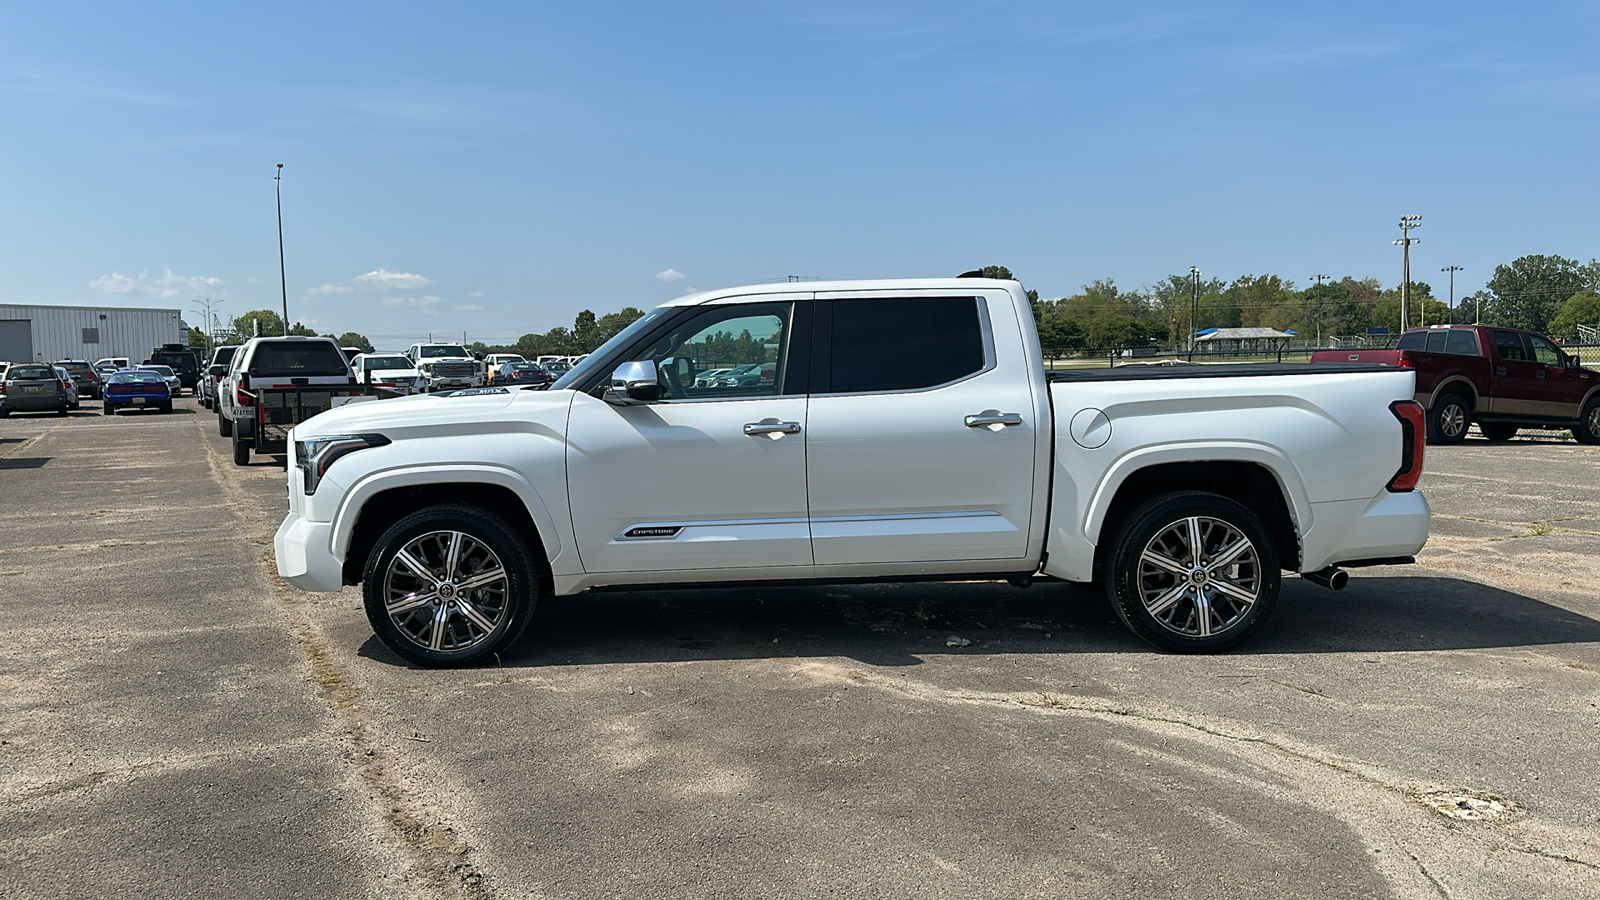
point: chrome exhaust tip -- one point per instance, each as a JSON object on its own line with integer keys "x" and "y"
{"x": 1333, "y": 578}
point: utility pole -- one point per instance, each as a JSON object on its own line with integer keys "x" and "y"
{"x": 283, "y": 283}
{"x": 1194, "y": 306}
{"x": 211, "y": 323}
{"x": 1406, "y": 240}
{"x": 1320, "y": 279}
{"x": 1452, "y": 270}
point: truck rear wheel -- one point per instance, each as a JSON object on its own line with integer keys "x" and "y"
{"x": 224, "y": 425}
{"x": 450, "y": 586}
{"x": 1449, "y": 419}
{"x": 241, "y": 452}
{"x": 1192, "y": 572}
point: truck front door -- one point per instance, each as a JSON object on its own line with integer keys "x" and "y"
{"x": 712, "y": 476}
{"x": 920, "y": 446}
{"x": 1516, "y": 387}
{"x": 1557, "y": 390}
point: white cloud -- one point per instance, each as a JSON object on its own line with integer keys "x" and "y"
{"x": 415, "y": 302}
{"x": 466, "y": 307}
{"x": 340, "y": 288}
{"x": 691, "y": 289}
{"x": 163, "y": 287}
{"x": 383, "y": 278}
{"x": 671, "y": 275}
{"x": 476, "y": 294}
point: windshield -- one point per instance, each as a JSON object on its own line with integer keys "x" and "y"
{"x": 385, "y": 362}
{"x": 429, "y": 352}
{"x": 593, "y": 361}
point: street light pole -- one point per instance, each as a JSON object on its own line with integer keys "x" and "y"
{"x": 211, "y": 323}
{"x": 1406, "y": 240}
{"x": 1320, "y": 279}
{"x": 283, "y": 283}
{"x": 1194, "y": 307}
{"x": 1452, "y": 270}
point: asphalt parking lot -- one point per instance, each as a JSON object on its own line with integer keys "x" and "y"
{"x": 178, "y": 723}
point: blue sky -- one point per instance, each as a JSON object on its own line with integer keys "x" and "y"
{"x": 494, "y": 168}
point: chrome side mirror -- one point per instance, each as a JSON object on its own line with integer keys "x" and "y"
{"x": 633, "y": 383}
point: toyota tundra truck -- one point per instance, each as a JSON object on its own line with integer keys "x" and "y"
{"x": 908, "y": 431}
{"x": 1501, "y": 378}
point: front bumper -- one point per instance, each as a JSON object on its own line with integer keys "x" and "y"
{"x": 305, "y": 555}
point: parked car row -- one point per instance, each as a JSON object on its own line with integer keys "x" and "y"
{"x": 61, "y": 387}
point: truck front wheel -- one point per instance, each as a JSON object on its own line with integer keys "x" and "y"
{"x": 1448, "y": 420}
{"x": 1192, "y": 572}
{"x": 450, "y": 586}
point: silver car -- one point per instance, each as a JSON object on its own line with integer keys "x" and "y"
{"x": 72, "y": 386}
{"x": 174, "y": 384}
{"x": 34, "y": 387}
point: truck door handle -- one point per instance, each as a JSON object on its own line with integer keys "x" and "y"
{"x": 772, "y": 428}
{"x": 983, "y": 421}
{"x": 1539, "y": 374}
{"x": 1499, "y": 370}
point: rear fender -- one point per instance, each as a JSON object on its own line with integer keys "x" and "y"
{"x": 1269, "y": 458}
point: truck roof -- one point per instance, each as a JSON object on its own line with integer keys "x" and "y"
{"x": 808, "y": 287}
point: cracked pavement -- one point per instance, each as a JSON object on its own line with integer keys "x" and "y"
{"x": 176, "y": 722}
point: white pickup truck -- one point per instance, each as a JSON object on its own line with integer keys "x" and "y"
{"x": 896, "y": 430}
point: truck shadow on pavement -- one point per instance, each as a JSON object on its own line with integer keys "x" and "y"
{"x": 899, "y": 624}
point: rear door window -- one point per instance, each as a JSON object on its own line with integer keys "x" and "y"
{"x": 298, "y": 359}
{"x": 1508, "y": 345}
{"x": 1436, "y": 341}
{"x": 902, "y": 343}
{"x": 1462, "y": 342}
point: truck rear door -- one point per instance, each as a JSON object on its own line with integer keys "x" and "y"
{"x": 920, "y": 443}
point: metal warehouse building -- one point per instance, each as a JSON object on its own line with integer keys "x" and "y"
{"x": 49, "y": 333}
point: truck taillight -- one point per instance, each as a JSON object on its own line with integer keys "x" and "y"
{"x": 1406, "y": 363}
{"x": 1413, "y": 437}
{"x": 243, "y": 398}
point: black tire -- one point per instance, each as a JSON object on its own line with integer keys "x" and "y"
{"x": 1587, "y": 431}
{"x": 241, "y": 452}
{"x": 505, "y": 605}
{"x": 1449, "y": 419}
{"x": 1163, "y": 606}
{"x": 166, "y": 407}
{"x": 63, "y": 410}
{"x": 107, "y": 409}
{"x": 1497, "y": 432}
{"x": 224, "y": 425}
{"x": 5, "y": 413}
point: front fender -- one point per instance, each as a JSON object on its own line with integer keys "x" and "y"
{"x": 344, "y": 521}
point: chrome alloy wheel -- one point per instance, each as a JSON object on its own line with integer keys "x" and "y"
{"x": 446, "y": 591}
{"x": 1593, "y": 422}
{"x": 1452, "y": 420}
{"x": 1199, "y": 576}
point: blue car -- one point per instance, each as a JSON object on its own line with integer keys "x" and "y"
{"x": 134, "y": 389}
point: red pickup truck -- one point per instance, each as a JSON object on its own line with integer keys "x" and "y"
{"x": 1501, "y": 378}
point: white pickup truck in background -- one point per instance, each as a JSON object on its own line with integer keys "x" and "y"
{"x": 896, "y": 430}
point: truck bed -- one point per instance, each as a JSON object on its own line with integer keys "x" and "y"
{"x": 1226, "y": 370}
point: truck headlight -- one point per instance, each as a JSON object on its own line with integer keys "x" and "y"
{"x": 315, "y": 455}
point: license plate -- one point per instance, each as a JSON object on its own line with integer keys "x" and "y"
{"x": 240, "y": 412}
{"x": 32, "y": 389}
{"x": 138, "y": 401}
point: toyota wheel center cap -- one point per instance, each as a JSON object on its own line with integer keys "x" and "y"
{"x": 1197, "y": 576}
{"x": 447, "y": 590}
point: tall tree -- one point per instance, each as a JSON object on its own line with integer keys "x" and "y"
{"x": 352, "y": 339}
{"x": 1529, "y": 291}
{"x": 1580, "y": 309}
